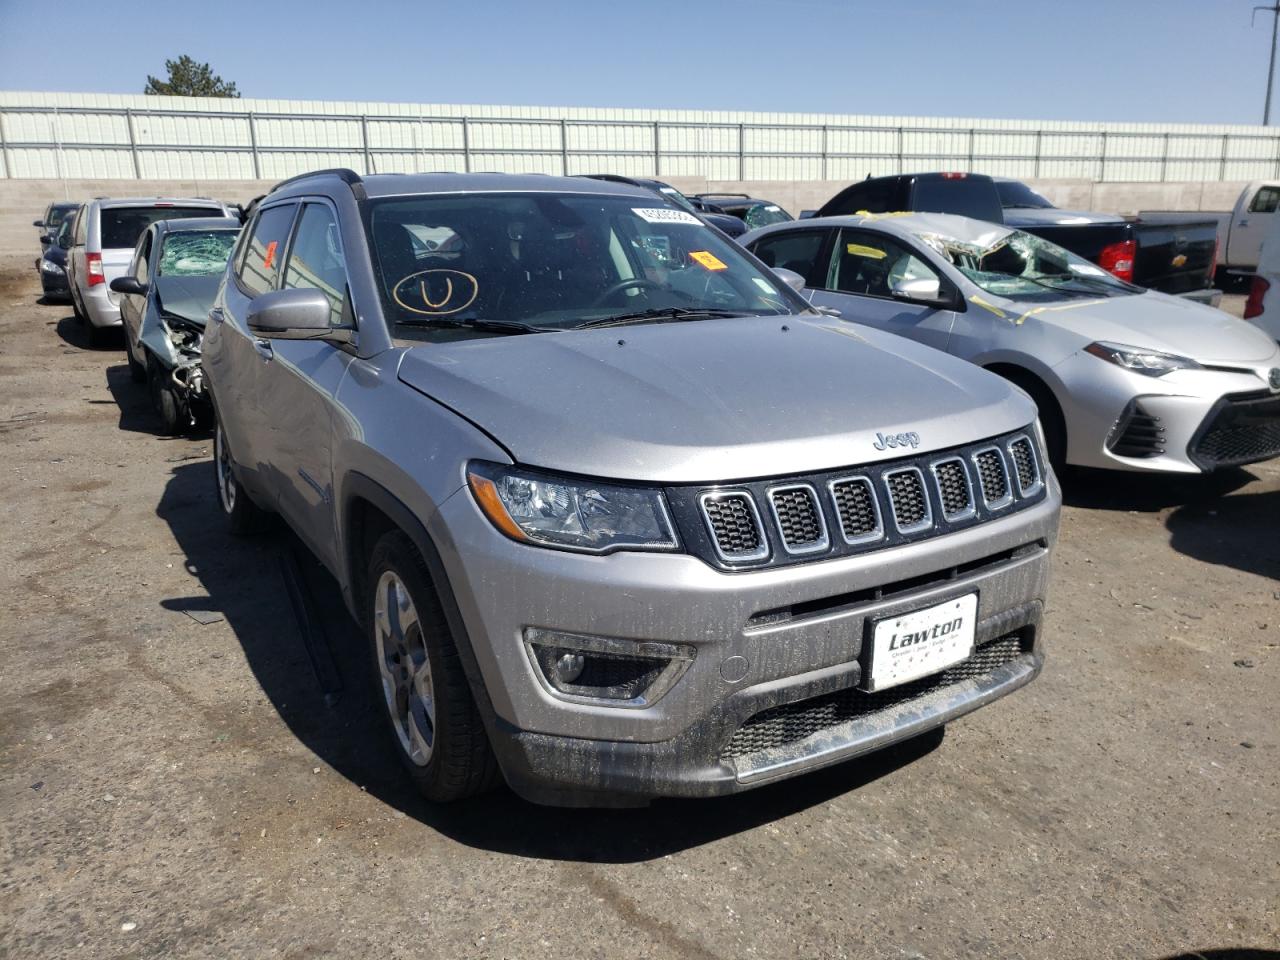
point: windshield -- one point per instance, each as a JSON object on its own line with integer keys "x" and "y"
{"x": 122, "y": 226}
{"x": 56, "y": 215}
{"x": 1018, "y": 196}
{"x": 555, "y": 261}
{"x": 1020, "y": 266}
{"x": 763, "y": 214}
{"x": 196, "y": 254}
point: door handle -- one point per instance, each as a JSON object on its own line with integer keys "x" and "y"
{"x": 216, "y": 315}
{"x": 263, "y": 347}
{"x": 1243, "y": 223}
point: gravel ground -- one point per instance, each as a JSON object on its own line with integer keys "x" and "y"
{"x": 176, "y": 789}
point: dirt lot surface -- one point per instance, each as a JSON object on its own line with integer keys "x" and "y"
{"x": 175, "y": 789}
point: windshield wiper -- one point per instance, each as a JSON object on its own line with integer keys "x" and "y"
{"x": 662, "y": 315}
{"x": 486, "y": 326}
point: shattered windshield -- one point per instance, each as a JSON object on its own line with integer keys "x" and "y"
{"x": 1024, "y": 267}
{"x": 196, "y": 254}
{"x": 764, "y": 214}
{"x": 545, "y": 261}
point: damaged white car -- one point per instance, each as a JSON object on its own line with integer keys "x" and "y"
{"x": 1125, "y": 378}
{"x": 171, "y": 284}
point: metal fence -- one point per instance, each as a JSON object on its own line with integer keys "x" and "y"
{"x": 143, "y": 143}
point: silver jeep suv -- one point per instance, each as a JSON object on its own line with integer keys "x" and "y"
{"x": 620, "y": 514}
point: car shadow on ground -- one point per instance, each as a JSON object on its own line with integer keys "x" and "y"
{"x": 1146, "y": 492}
{"x": 74, "y": 333}
{"x": 1241, "y": 532}
{"x": 312, "y": 665}
{"x": 1236, "y": 953}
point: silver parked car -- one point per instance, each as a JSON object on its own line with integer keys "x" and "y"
{"x": 622, "y": 517}
{"x": 106, "y": 232}
{"x": 1125, "y": 378}
{"x": 165, "y": 298}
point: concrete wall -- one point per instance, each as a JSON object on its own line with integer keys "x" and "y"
{"x": 22, "y": 201}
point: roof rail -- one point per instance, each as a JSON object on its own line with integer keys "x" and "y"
{"x": 349, "y": 177}
{"x": 700, "y": 196}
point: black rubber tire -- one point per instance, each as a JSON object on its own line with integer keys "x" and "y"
{"x": 244, "y": 517}
{"x": 137, "y": 372}
{"x": 173, "y": 417}
{"x": 462, "y": 763}
{"x": 99, "y": 337}
{"x": 75, "y": 308}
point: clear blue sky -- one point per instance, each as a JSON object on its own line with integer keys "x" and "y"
{"x": 1171, "y": 60}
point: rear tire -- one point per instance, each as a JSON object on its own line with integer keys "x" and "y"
{"x": 76, "y": 309}
{"x": 99, "y": 337}
{"x": 435, "y": 727}
{"x": 244, "y": 517}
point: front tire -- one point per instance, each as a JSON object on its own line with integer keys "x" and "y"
{"x": 244, "y": 517}
{"x": 137, "y": 372}
{"x": 164, "y": 398}
{"x": 436, "y": 729}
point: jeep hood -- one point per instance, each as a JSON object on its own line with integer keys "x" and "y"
{"x": 712, "y": 400}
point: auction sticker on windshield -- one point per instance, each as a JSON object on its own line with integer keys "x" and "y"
{"x": 922, "y": 642}
{"x": 708, "y": 260}
{"x": 665, "y": 215}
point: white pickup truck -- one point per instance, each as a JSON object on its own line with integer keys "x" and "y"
{"x": 1240, "y": 231}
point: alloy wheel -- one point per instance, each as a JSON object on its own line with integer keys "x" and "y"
{"x": 405, "y": 668}
{"x": 226, "y": 478}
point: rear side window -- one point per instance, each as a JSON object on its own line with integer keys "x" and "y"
{"x": 122, "y": 226}
{"x": 1265, "y": 200}
{"x": 966, "y": 196}
{"x": 260, "y": 268}
{"x": 316, "y": 261}
{"x": 796, "y": 251}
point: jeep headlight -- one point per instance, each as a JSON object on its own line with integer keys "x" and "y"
{"x": 570, "y": 512}
{"x": 1149, "y": 363}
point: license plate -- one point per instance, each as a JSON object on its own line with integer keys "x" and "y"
{"x": 921, "y": 642}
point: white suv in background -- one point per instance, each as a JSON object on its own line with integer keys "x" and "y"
{"x": 105, "y": 234}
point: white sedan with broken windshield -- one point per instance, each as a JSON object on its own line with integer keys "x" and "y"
{"x": 1125, "y": 378}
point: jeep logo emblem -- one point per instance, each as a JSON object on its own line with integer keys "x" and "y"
{"x": 1273, "y": 378}
{"x": 912, "y": 440}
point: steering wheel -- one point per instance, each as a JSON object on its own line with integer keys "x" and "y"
{"x": 639, "y": 283}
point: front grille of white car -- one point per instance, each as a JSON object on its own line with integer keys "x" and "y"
{"x": 796, "y": 519}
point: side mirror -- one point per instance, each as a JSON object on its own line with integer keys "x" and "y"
{"x": 790, "y": 278}
{"x": 921, "y": 290}
{"x": 130, "y": 285}
{"x": 64, "y": 243}
{"x": 37, "y": 223}
{"x": 47, "y": 239}
{"x": 290, "y": 315}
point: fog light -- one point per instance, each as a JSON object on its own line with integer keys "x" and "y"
{"x": 623, "y": 673}
{"x": 569, "y": 667}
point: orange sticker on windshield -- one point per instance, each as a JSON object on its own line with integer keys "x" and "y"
{"x": 709, "y": 260}
{"x": 270, "y": 255}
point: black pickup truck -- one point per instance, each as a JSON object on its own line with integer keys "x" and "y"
{"x": 1176, "y": 258}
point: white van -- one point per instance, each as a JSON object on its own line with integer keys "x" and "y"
{"x": 106, "y": 232}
